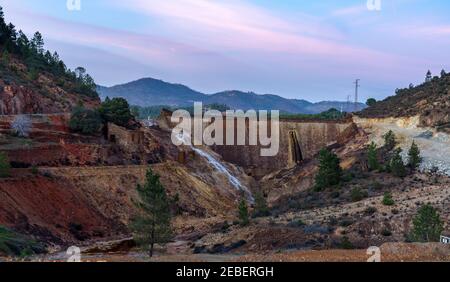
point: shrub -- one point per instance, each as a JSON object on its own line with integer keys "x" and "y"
{"x": 346, "y": 244}
{"x": 34, "y": 170}
{"x": 261, "y": 208}
{"x": 21, "y": 125}
{"x": 5, "y": 167}
{"x": 358, "y": 194}
{"x": 85, "y": 121}
{"x": 386, "y": 232}
{"x": 387, "y": 199}
{"x": 370, "y": 210}
{"x": 243, "y": 213}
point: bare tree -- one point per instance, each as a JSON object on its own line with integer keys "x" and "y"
{"x": 21, "y": 125}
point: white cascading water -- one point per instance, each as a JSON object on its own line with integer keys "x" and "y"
{"x": 217, "y": 165}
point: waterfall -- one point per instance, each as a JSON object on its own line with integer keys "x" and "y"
{"x": 217, "y": 166}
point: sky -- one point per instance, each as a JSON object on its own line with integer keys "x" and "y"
{"x": 301, "y": 49}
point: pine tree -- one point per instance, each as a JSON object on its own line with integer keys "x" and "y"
{"x": 330, "y": 172}
{"x": 4, "y": 165}
{"x": 397, "y": 165}
{"x": 243, "y": 213}
{"x": 261, "y": 208}
{"x": 443, "y": 73}
{"x": 372, "y": 157}
{"x": 37, "y": 43}
{"x": 152, "y": 224}
{"x": 428, "y": 77}
{"x": 414, "y": 158}
{"x": 389, "y": 140}
{"x": 427, "y": 225}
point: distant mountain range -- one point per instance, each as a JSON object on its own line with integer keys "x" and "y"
{"x": 154, "y": 92}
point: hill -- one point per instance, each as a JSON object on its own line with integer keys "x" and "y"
{"x": 33, "y": 80}
{"x": 430, "y": 101}
{"x": 148, "y": 92}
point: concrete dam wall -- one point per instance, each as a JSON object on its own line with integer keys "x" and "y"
{"x": 299, "y": 141}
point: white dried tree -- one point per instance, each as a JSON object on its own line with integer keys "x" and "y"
{"x": 21, "y": 125}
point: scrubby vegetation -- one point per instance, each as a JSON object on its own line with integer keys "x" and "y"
{"x": 37, "y": 60}
{"x": 261, "y": 208}
{"x": 331, "y": 114}
{"x": 85, "y": 121}
{"x": 4, "y": 165}
{"x": 243, "y": 213}
{"x": 154, "y": 111}
{"x": 14, "y": 244}
{"x": 425, "y": 99}
{"x": 387, "y": 199}
{"x": 90, "y": 122}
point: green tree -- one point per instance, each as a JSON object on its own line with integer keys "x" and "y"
{"x": 85, "y": 121}
{"x": 396, "y": 165}
{"x": 4, "y": 165}
{"x": 414, "y": 158}
{"x": 428, "y": 76}
{"x": 261, "y": 208}
{"x": 427, "y": 225}
{"x": 243, "y": 213}
{"x": 372, "y": 158}
{"x": 389, "y": 140}
{"x": 330, "y": 171}
{"x": 443, "y": 73}
{"x": 387, "y": 199}
{"x": 37, "y": 43}
{"x": 152, "y": 224}
{"x": 370, "y": 102}
{"x": 117, "y": 111}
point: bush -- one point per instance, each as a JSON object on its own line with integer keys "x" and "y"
{"x": 243, "y": 213}
{"x": 261, "y": 208}
{"x": 427, "y": 225}
{"x": 5, "y": 167}
{"x": 346, "y": 244}
{"x": 358, "y": 194}
{"x": 34, "y": 170}
{"x": 330, "y": 172}
{"x": 85, "y": 121}
{"x": 370, "y": 210}
{"x": 14, "y": 244}
{"x": 386, "y": 232}
{"x": 21, "y": 125}
{"x": 387, "y": 199}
